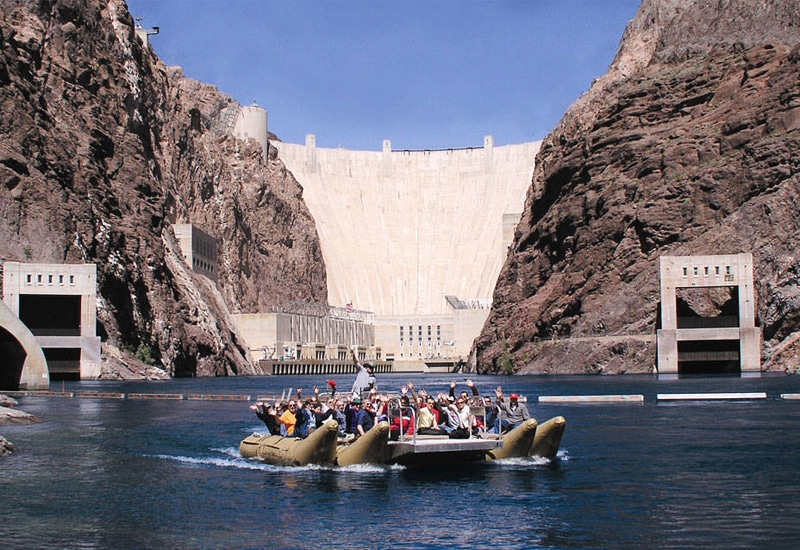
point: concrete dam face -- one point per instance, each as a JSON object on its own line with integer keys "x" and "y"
{"x": 402, "y": 230}
{"x": 416, "y": 238}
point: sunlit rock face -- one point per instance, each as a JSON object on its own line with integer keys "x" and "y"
{"x": 102, "y": 148}
{"x": 687, "y": 146}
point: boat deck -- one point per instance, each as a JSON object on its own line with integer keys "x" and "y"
{"x": 425, "y": 450}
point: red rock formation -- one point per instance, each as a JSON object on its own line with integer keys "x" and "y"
{"x": 102, "y": 148}
{"x": 687, "y": 146}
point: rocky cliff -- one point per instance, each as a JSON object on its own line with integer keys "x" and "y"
{"x": 687, "y": 146}
{"x": 102, "y": 148}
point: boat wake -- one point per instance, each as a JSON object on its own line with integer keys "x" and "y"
{"x": 217, "y": 461}
{"x": 527, "y": 462}
{"x": 228, "y": 457}
{"x": 369, "y": 468}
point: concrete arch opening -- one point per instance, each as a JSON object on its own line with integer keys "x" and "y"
{"x": 12, "y": 359}
{"x": 22, "y": 362}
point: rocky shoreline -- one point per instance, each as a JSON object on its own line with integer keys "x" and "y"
{"x": 9, "y": 415}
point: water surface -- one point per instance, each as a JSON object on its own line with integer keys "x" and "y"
{"x": 109, "y": 473}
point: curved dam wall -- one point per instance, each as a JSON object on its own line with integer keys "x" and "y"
{"x": 401, "y": 230}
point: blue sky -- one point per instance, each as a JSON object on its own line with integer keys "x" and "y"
{"x": 424, "y": 74}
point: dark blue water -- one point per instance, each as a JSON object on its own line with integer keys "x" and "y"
{"x": 105, "y": 473}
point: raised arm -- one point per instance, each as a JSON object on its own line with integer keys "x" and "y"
{"x": 501, "y": 405}
{"x": 415, "y": 401}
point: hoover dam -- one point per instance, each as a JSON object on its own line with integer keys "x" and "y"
{"x": 416, "y": 238}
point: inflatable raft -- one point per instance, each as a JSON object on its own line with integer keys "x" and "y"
{"x": 370, "y": 448}
{"x": 531, "y": 440}
{"x": 547, "y": 440}
{"x": 318, "y": 448}
{"x": 516, "y": 443}
{"x": 322, "y": 447}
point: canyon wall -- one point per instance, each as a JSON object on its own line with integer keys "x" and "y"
{"x": 688, "y": 146}
{"x": 102, "y": 148}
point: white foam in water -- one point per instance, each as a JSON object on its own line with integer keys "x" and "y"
{"x": 527, "y": 462}
{"x": 232, "y": 452}
{"x": 524, "y": 462}
{"x": 221, "y": 462}
{"x": 356, "y": 468}
{"x": 232, "y": 459}
{"x": 369, "y": 468}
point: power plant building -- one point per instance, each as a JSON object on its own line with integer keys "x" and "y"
{"x": 198, "y": 247}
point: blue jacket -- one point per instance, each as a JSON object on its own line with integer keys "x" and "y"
{"x": 363, "y": 419}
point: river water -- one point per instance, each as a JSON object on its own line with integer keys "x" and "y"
{"x": 112, "y": 473}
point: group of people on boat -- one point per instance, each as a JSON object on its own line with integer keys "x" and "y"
{"x": 357, "y": 412}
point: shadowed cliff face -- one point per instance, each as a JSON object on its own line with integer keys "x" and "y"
{"x": 102, "y": 148}
{"x": 687, "y": 146}
{"x": 270, "y": 251}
